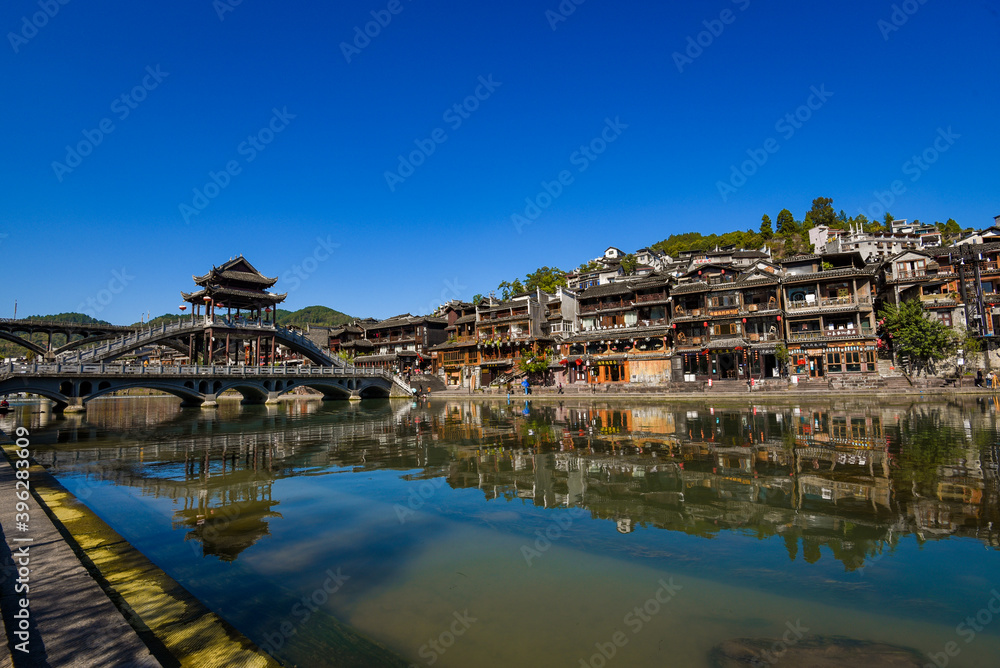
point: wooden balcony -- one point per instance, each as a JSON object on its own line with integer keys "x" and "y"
{"x": 857, "y": 300}
{"x": 607, "y": 306}
{"x": 820, "y": 334}
{"x": 657, "y": 297}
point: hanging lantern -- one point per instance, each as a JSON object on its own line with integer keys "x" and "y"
{"x": 779, "y": 318}
{"x": 744, "y": 321}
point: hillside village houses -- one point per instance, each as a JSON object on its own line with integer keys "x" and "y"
{"x": 719, "y": 315}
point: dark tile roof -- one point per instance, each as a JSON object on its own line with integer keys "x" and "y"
{"x": 687, "y": 288}
{"x": 605, "y": 290}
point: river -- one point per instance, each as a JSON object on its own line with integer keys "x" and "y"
{"x": 461, "y": 533}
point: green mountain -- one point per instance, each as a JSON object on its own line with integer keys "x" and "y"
{"x": 313, "y": 315}
{"x": 69, "y": 317}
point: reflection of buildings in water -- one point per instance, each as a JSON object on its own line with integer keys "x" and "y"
{"x": 816, "y": 477}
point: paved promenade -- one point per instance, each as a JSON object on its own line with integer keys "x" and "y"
{"x": 72, "y": 621}
{"x": 75, "y": 621}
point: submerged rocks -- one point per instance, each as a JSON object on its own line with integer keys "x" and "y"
{"x": 814, "y": 652}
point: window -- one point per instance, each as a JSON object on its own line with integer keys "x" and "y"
{"x": 945, "y": 318}
{"x": 833, "y": 363}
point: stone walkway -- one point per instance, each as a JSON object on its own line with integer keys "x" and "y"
{"x": 72, "y": 621}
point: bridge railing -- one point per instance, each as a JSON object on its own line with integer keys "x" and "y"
{"x": 62, "y": 368}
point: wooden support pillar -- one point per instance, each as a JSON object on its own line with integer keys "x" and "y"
{"x": 227, "y": 348}
{"x": 191, "y": 349}
{"x": 256, "y": 357}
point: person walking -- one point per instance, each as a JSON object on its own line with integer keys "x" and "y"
{"x": 979, "y": 378}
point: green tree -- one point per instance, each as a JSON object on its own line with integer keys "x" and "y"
{"x": 546, "y": 278}
{"x": 766, "y": 228}
{"x": 821, "y": 213}
{"x": 509, "y": 289}
{"x": 887, "y": 220}
{"x": 952, "y": 228}
{"x": 786, "y": 223}
{"x": 534, "y": 363}
{"x": 925, "y": 341}
{"x": 629, "y": 264}
{"x": 476, "y": 298}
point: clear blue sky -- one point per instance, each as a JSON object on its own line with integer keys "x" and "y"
{"x": 446, "y": 230}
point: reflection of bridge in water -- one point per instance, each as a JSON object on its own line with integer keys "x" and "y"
{"x": 854, "y": 496}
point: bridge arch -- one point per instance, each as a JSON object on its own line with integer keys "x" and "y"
{"x": 24, "y": 343}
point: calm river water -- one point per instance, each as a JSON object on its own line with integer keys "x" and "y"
{"x": 459, "y": 533}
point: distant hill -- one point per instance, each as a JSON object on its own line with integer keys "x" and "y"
{"x": 68, "y": 317}
{"x": 313, "y": 315}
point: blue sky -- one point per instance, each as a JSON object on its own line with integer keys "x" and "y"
{"x": 299, "y": 140}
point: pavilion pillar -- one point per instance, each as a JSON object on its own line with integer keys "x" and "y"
{"x": 191, "y": 349}
{"x": 227, "y": 348}
{"x": 273, "y": 349}
{"x": 256, "y": 358}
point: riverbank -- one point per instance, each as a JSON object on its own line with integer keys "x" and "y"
{"x": 96, "y": 600}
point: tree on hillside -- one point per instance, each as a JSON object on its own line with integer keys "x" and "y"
{"x": 821, "y": 213}
{"x": 786, "y": 223}
{"x": 766, "y": 228}
{"x": 546, "y": 278}
{"x": 629, "y": 264}
{"x": 509, "y": 289}
{"x": 912, "y": 333}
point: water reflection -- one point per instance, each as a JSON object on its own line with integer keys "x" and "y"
{"x": 853, "y": 478}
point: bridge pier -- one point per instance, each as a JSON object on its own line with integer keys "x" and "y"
{"x": 273, "y": 398}
{"x": 72, "y": 405}
{"x": 355, "y": 396}
{"x": 210, "y": 401}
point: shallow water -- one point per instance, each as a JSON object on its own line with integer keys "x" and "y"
{"x": 544, "y": 534}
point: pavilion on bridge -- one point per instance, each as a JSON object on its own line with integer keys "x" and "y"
{"x": 239, "y": 288}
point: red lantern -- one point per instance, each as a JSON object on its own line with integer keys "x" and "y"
{"x": 744, "y": 321}
{"x": 704, "y": 324}
{"x": 673, "y": 325}
{"x": 779, "y": 318}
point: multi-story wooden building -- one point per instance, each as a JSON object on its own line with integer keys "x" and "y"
{"x": 403, "y": 342}
{"x": 506, "y": 332}
{"x": 830, "y": 314}
{"x": 624, "y": 333}
{"x": 457, "y": 359}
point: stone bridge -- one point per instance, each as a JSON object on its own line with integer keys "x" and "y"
{"x": 209, "y": 337}
{"x": 71, "y": 386}
{"x": 75, "y": 334}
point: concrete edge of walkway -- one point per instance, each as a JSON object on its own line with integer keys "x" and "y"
{"x": 178, "y": 629}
